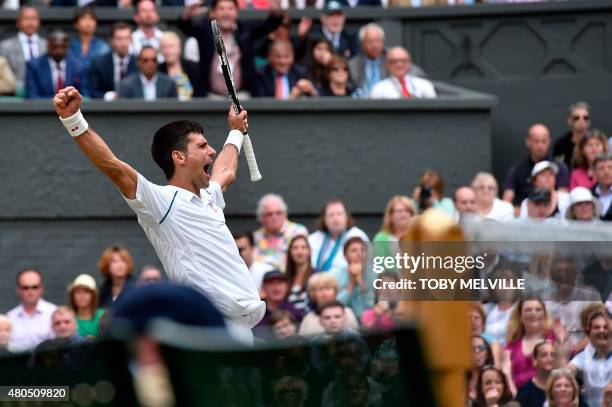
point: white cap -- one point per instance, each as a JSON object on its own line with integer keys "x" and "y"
{"x": 544, "y": 165}
{"x": 581, "y": 194}
{"x": 83, "y": 280}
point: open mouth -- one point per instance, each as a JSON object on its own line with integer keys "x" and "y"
{"x": 207, "y": 168}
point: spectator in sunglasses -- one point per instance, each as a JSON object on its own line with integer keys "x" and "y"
{"x": 578, "y": 121}
{"x": 338, "y": 80}
{"x": 32, "y": 318}
{"x": 148, "y": 83}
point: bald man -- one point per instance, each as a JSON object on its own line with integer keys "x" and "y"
{"x": 400, "y": 84}
{"x": 465, "y": 200}
{"x": 281, "y": 78}
{"x": 517, "y": 182}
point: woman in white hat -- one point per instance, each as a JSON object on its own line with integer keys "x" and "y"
{"x": 83, "y": 294}
{"x": 543, "y": 177}
{"x": 583, "y": 206}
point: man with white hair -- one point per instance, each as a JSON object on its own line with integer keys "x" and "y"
{"x": 368, "y": 67}
{"x": 401, "y": 84}
{"x": 276, "y": 231}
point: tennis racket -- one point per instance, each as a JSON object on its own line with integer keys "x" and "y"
{"x": 231, "y": 90}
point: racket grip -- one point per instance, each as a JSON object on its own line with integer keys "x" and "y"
{"x": 250, "y": 156}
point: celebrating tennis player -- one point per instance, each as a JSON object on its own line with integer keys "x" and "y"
{"x": 184, "y": 219}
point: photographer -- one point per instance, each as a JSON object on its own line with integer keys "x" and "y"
{"x": 430, "y": 193}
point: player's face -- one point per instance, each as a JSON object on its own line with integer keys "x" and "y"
{"x": 199, "y": 159}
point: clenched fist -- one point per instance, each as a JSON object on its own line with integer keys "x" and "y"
{"x": 67, "y": 102}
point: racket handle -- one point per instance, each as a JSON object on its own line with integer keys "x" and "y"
{"x": 250, "y": 156}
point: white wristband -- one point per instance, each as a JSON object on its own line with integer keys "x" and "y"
{"x": 75, "y": 124}
{"x": 235, "y": 137}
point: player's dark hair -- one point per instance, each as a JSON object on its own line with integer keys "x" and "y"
{"x": 215, "y": 2}
{"x": 171, "y": 137}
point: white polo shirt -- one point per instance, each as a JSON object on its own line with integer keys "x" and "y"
{"x": 195, "y": 246}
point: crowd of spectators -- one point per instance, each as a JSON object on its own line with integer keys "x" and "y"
{"x": 268, "y": 58}
{"x": 530, "y": 349}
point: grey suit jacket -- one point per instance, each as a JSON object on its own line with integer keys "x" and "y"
{"x": 357, "y": 68}
{"x": 12, "y": 51}
{"x": 131, "y": 86}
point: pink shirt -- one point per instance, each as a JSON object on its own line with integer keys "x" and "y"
{"x": 371, "y": 321}
{"x": 580, "y": 178}
{"x": 522, "y": 367}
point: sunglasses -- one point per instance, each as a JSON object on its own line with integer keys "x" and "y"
{"x": 148, "y": 60}
{"x": 576, "y": 118}
{"x": 479, "y": 348}
{"x": 29, "y": 287}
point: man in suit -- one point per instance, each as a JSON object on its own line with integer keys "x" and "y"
{"x": 238, "y": 37}
{"x": 281, "y": 78}
{"x": 368, "y": 67}
{"x": 148, "y": 83}
{"x": 106, "y": 71}
{"x": 400, "y": 84}
{"x": 53, "y": 71}
{"x": 603, "y": 189}
{"x": 333, "y": 29}
{"x": 25, "y": 46}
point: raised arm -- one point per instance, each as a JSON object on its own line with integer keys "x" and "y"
{"x": 67, "y": 103}
{"x": 226, "y": 165}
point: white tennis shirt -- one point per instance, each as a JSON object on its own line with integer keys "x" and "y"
{"x": 195, "y": 246}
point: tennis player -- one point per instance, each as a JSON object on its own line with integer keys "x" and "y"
{"x": 184, "y": 219}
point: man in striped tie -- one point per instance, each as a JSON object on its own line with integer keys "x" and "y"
{"x": 399, "y": 84}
